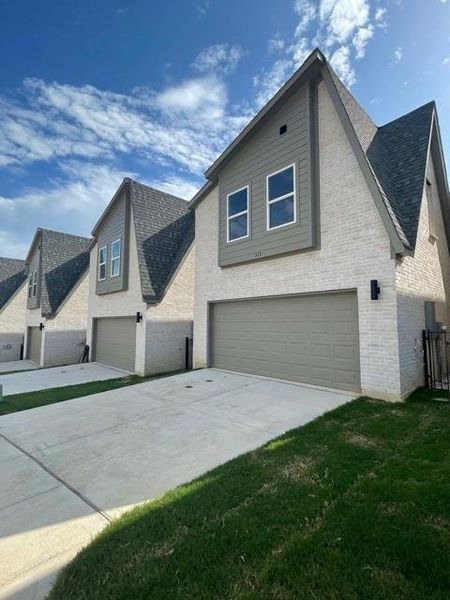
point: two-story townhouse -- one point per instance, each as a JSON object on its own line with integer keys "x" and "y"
{"x": 57, "y": 297}
{"x": 12, "y": 308}
{"x": 322, "y": 242}
{"x": 141, "y": 281}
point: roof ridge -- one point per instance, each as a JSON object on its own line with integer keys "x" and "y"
{"x": 153, "y": 189}
{"x": 409, "y": 113}
{"x": 73, "y": 235}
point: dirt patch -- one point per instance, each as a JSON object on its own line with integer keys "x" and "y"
{"x": 362, "y": 441}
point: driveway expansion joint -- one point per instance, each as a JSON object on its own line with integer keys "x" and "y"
{"x": 70, "y": 487}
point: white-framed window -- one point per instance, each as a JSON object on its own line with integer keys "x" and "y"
{"x": 281, "y": 198}
{"x": 116, "y": 250}
{"x": 102, "y": 259}
{"x": 32, "y": 285}
{"x": 238, "y": 215}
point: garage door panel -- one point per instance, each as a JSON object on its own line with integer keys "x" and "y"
{"x": 312, "y": 339}
{"x": 34, "y": 344}
{"x": 115, "y": 342}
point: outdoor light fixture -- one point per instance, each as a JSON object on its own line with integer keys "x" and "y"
{"x": 41, "y": 326}
{"x": 374, "y": 289}
{"x": 138, "y": 317}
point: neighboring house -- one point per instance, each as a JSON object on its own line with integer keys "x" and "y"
{"x": 142, "y": 278}
{"x": 12, "y": 308}
{"x": 57, "y": 297}
{"x": 309, "y": 204}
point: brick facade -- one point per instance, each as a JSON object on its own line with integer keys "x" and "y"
{"x": 354, "y": 248}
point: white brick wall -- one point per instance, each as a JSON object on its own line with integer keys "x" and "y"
{"x": 423, "y": 277}
{"x": 65, "y": 333}
{"x": 12, "y": 325}
{"x": 170, "y": 322}
{"x": 161, "y": 334}
{"x": 354, "y": 249}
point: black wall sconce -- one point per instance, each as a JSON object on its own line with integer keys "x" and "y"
{"x": 138, "y": 317}
{"x": 41, "y": 326}
{"x": 374, "y": 289}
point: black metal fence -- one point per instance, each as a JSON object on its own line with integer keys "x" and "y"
{"x": 188, "y": 354}
{"x": 436, "y": 358}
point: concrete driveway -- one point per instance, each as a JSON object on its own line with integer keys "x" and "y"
{"x": 42, "y": 379}
{"x": 17, "y": 365}
{"x": 68, "y": 469}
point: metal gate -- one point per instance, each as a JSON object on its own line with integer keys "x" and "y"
{"x": 436, "y": 358}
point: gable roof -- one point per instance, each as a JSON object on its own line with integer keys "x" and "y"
{"x": 64, "y": 259}
{"x": 12, "y": 276}
{"x": 393, "y": 157}
{"x": 164, "y": 228}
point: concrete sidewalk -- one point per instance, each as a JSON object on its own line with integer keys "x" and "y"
{"x": 69, "y": 468}
{"x": 42, "y": 379}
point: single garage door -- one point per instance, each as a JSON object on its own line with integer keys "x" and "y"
{"x": 310, "y": 339}
{"x": 115, "y": 342}
{"x": 34, "y": 344}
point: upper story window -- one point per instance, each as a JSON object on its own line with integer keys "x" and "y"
{"x": 102, "y": 258}
{"x": 32, "y": 285}
{"x": 237, "y": 215}
{"x": 116, "y": 249}
{"x": 280, "y": 189}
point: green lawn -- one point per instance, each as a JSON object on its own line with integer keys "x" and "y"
{"x": 17, "y": 402}
{"x": 355, "y": 505}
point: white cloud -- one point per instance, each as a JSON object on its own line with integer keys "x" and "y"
{"x": 12, "y": 246}
{"x": 342, "y": 29}
{"x": 381, "y": 17}
{"x": 398, "y": 54}
{"x": 343, "y": 17}
{"x": 71, "y": 202}
{"x": 185, "y": 125}
{"x": 178, "y": 186}
{"x": 307, "y": 11}
{"x": 270, "y": 81}
{"x": 362, "y": 36}
{"x": 219, "y": 58}
{"x": 202, "y": 8}
{"x": 276, "y": 44}
{"x": 340, "y": 61}
{"x": 446, "y": 61}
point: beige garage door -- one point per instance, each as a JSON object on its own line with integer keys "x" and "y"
{"x": 34, "y": 344}
{"x": 310, "y": 339}
{"x": 115, "y": 342}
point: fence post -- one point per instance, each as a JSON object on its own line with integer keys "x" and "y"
{"x": 425, "y": 356}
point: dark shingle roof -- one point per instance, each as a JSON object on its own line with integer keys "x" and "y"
{"x": 12, "y": 275}
{"x": 65, "y": 258}
{"x": 164, "y": 229}
{"x": 397, "y": 154}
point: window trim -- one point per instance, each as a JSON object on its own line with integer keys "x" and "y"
{"x": 239, "y": 214}
{"x": 30, "y": 285}
{"x": 100, "y": 264}
{"x": 275, "y": 200}
{"x": 116, "y": 258}
{"x": 34, "y": 285}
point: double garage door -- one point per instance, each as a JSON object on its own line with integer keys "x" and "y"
{"x": 310, "y": 339}
{"x": 115, "y": 342}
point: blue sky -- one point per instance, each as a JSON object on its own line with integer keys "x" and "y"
{"x": 91, "y": 92}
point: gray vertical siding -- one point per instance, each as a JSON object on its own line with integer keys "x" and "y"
{"x": 114, "y": 227}
{"x": 35, "y": 265}
{"x": 265, "y": 153}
